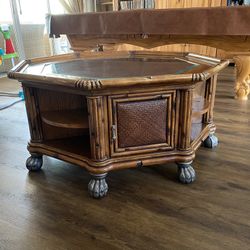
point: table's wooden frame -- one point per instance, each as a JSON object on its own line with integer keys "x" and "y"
{"x": 101, "y": 94}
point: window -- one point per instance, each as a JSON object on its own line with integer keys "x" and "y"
{"x": 5, "y": 11}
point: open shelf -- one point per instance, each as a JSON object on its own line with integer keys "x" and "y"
{"x": 78, "y": 145}
{"x": 200, "y": 106}
{"x": 73, "y": 119}
{"x": 196, "y": 129}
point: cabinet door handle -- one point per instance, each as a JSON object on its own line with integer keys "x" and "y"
{"x": 113, "y": 132}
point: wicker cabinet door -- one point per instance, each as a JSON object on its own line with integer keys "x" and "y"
{"x": 142, "y": 124}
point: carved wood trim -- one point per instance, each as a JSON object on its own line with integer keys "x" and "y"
{"x": 196, "y": 77}
{"x": 18, "y": 68}
{"x": 88, "y": 84}
{"x": 242, "y": 86}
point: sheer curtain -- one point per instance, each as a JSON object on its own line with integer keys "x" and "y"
{"x": 73, "y": 6}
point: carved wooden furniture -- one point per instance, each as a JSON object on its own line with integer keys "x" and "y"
{"x": 107, "y": 111}
{"x": 152, "y": 28}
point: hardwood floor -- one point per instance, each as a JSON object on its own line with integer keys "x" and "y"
{"x": 145, "y": 208}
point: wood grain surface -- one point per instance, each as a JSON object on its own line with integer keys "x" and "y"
{"x": 145, "y": 209}
{"x": 66, "y": 119}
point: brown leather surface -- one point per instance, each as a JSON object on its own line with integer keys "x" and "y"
{"x": 141, "y": 122}
{"x": 188, "y": 21}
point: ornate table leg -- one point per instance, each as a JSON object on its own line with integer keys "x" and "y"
{"x": 211, "y": 141}
{"x": 186, "y": 172}
{"x": 242, "y": 87}
{"x": 34, "y": 162}
{"x": 98, "y": 186}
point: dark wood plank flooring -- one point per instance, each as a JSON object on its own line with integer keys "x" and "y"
{"x": 145, "y": 209}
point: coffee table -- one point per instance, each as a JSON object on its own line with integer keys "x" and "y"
{"x": 107, "y": 111}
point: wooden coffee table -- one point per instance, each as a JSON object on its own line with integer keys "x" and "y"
{"x": 106, "y": 112}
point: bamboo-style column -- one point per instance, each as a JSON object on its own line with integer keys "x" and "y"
{"x": 98, "y": 128}
{"x": 185, "y": 119}
{"x": 33, "y": 114}
{"x": 99, "y": 142}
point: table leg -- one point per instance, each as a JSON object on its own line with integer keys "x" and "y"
{"x": 34, "y": 162}
{"x": 211, "y": 141}
{"x": 186, "y": 172}
{"x": 242, "y": 88}
{"x": 98, "y": 186}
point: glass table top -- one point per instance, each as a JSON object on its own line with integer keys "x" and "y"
{"x": 114, "y": 67}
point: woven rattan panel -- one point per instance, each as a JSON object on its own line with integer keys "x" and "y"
{"x": 141, "y": 123}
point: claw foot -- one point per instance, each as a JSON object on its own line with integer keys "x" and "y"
{"x": 34, "y": 162}
{"x": 186, "y": 173}
{"x": 211, "y": 141}
{"x": 98, "y": 186}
